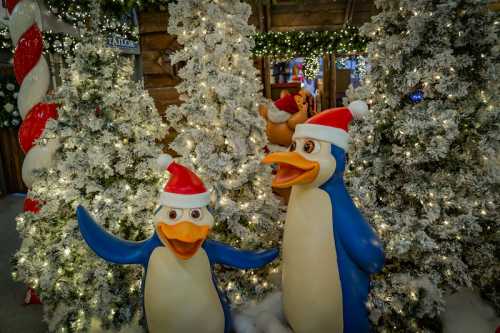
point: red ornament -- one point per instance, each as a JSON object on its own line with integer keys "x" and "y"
{"x": 11, "y": 4}
{"x": 31, "y": 205}
{"x": 28, "y": 51}
{"x": 34, "y": 124}
{"x": 31, "y": 297}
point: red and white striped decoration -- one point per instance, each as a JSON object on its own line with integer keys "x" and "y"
{"x": 32, "y": 74}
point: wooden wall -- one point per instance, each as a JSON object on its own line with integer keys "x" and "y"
{"x": 11, "y": 160}
{"x": 319, "y": 14}
{"x": 160, "y": 77}
{"x": 11, "y": 155}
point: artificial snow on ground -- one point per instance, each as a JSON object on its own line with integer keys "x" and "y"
{"x": 265, "y": 317}
{"x": 465, "y": 312}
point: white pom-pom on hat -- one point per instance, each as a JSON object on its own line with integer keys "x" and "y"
{"x": 164, "y": 160}
{"x": 358, "y": 109}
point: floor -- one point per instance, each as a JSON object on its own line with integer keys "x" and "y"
{"x": 14, "y": 315}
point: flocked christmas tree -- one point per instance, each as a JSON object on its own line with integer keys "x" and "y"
{"x": 106, "y": 161}
{"x": 220, "y": 133}
{"x": 425, "y": 162}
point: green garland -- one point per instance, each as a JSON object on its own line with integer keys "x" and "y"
{"x": 72, "y": 11}
{"x": 283, "y": 45}
{"x": 277, "y": 45}
{"x": 78, "y": 12}
{"x": 299, "y": 43}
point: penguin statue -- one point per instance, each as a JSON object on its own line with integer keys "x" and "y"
{"x": 329, "y": 250}
{"x": 180, "y": 292}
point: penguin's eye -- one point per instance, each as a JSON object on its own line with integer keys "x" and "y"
{"x": 195, "y": 213}
{"x": 293, "y": 146}
{"x": 174, "y": 214}
{"x": 311, "y": 147}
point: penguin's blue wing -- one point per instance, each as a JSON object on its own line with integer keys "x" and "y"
{"x": 226, "y": 255}
{"x": 109, "y": 247}
{"x": 357, "y": 236}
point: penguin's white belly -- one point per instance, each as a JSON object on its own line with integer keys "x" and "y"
{"x": 312, "y": 293}
{"x": 179, "y": 295}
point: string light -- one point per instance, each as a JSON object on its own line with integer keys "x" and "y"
{"x": 296, "y": 43}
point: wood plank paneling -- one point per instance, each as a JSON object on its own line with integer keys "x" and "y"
{"x": 160, "y": 76}
{"x": 158, "y": 41}
{"x": 308, "y": 5}
{"x": 307, "y": 19}
{"x": 156, "y": 51}
{"x": 359, "y": 18}
{"x": 156, "y": 21}
{"x": 364, "y": 6}
{"x": 160, "y": 80}
{"x": 11, "y": 157}
{"x": 254, "y": 17}
{"x": 158, "y": 62}
{"x": 164, "y": 97}
{"x": 152, "y": 62}
{"x": 319, "y": 14}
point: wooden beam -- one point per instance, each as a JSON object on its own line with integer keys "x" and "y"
{"x": 348, "y": 11}
{"x": 325, "y": 100}
{"x": 333, "y": 67}
{"x": 268, "y": 17}
{"x": 3, "y": 186}
{"x": 310, "y": 5}
{"x": 321, "y": 27}
{"x": 261, "y": 60}
{"x": 262, "y": 18}
{"x": 267, "y": 77}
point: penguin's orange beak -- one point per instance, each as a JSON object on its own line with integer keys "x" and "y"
{"x": 184, "y": 238}
{"x": 293, "y": 169}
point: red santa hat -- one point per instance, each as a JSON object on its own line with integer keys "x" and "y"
{"x": 184, "y": 189}
{"x": 287, "y": 103}
{"x": 332, "y": 125}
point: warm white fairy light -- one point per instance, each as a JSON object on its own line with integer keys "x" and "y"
{"x": 418, "y": 187}
{"x": 92, "y": 153}
{"x": 221, "y": 120}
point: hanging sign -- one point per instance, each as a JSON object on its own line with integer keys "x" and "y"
{"x": 123, "y": 44}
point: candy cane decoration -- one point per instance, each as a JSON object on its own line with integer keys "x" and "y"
{"x": 32, "y": 74}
